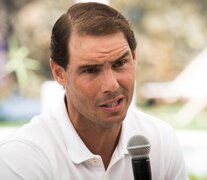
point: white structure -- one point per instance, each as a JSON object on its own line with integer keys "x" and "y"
{"x": 192, "y": 81}
{"x": 50, "y": 91}
{"x": 190, "y": 84}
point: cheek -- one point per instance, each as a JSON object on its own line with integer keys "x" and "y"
{"x": 87, "y": 89}
{"x": 128, "y": 79}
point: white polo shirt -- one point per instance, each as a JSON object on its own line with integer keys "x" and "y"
{"x": 49, "y": 148}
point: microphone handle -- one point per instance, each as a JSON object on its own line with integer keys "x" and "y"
{"x": 141, "y": 168}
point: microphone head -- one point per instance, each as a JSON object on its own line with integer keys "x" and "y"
{"x": 138, "y": 146}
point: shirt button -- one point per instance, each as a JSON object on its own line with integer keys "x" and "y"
{"x": 94, "y": 161}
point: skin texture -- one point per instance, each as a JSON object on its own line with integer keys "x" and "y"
{"x": 99, "y": 83}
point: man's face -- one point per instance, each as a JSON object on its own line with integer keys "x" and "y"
{"x": 99, "y": 79}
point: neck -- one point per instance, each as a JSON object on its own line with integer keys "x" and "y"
{"x": 100, "y": 138}
{"x": 101, "y": 142}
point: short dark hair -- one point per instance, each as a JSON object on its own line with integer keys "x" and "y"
{"x": 87, "y": 19}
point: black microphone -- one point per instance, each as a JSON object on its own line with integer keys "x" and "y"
{"x": 139, "y": 147}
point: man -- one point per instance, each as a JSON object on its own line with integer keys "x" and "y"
{"x": 84, "y": 135}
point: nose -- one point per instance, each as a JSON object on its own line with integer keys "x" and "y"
{"x": 109, "y": 82}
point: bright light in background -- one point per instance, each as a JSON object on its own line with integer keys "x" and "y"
{"x": 100, "y": 1}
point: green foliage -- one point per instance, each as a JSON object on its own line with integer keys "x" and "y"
{"x": 20, "y": 65}
{"x": 16, "y": 123}
{"x": 192, "y": 177}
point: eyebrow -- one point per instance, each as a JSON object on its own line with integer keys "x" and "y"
{"x": 81, "y": 68}
{"x": 100, "y": 65}
{"x": 121, "y": 57}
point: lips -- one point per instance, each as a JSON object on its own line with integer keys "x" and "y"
{"x": 112, "y": 103}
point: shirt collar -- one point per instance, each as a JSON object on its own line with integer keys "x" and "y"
{"x": 126, "y": 133}
{"x": 76, "y": 149}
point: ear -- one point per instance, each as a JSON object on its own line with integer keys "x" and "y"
{"x": 134, "y": 56}
{"x": 58, "y": 72}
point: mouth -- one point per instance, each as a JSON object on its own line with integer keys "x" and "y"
{"x": 112, "y": 103}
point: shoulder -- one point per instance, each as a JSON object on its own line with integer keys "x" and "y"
{"x": 31, "y": 152}
{"x": 166, "y": 152}
{"x": 161, "y": 135}
{"x": 41, "y": 133}
{"x": 20, "y": 158}
{"x": 34, "y": 139}
{"x": 147, "y": 122}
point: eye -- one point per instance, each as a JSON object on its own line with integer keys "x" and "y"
{"x": 119, "y": 63}
{"x": 91, "y": 70}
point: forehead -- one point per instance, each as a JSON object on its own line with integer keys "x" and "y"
{"x": 87, "y": 47}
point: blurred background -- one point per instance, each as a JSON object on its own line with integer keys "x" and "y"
{"x": 171, "y": 65}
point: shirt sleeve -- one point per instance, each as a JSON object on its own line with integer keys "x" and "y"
{"x": 23, "y": 161}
